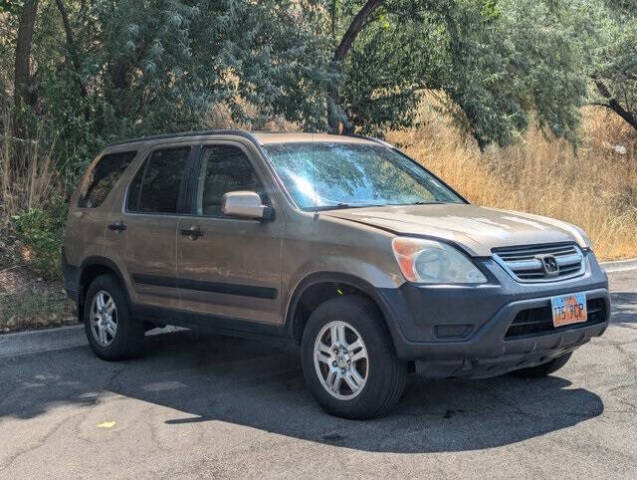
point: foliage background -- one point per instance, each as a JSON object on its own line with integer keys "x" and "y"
{"x": 99, "y": 71}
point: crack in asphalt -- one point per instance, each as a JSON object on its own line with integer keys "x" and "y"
{"x": 40, "y": 443}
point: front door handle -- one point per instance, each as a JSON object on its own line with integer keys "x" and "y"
{"x": 193, "y": 232}
{"x": 117, "y": 227}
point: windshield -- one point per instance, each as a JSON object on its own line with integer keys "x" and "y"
{"x": 326, "y": 175}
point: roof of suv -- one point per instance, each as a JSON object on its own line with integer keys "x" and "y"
{"x": 262, "y": 138}
{"x": 265, "y": 138}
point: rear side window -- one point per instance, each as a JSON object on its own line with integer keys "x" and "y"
{"x": 157, "y": 186}
{"x": 103, "y": 178}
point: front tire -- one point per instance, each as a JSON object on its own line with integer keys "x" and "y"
{"x": 544, "y": 369}
{"x": 349, "y": 361}
{"x": 111, "y": 331}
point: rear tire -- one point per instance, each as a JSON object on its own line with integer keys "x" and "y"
{"x": 544, "y": 369}
{"x": 346, "y": 345}
{"x": 111, "y": 331}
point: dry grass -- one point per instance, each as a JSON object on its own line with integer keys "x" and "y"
{"x": 27, "y": 180}
{"x": 28, "y": 302}
{"x": 27, "y": 175}
{"x": 595, "y": 187}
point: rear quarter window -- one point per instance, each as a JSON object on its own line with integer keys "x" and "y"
{"x": 103, "y": 178}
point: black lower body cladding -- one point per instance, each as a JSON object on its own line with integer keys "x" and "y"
{"x": 70, "y": 273}
{"x": 487, "y": 330}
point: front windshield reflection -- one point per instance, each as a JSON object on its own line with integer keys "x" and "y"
{"x": 326, "y": 175}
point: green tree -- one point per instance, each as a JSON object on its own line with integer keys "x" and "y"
{"x": 104, "y": 70}
{"x": 615, "y": 61}
{"x": 495, "y": 61}
{"x": 107, "y": 70}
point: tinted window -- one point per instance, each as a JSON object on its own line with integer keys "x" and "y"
{"x": 336, "y": 175}
{"x": 103, "y": 178}
{"x": 156, "y": 187}
{"x": 224, "y": 169}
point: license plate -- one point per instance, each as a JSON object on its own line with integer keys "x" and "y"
{"x": 569, "y": 309}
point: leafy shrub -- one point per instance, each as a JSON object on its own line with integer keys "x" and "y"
{"x": 41, "y": 230}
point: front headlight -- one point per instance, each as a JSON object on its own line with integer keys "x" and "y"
{"x": 427, "y": 261}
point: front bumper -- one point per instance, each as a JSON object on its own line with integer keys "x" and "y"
{"x": 464, "y": 331}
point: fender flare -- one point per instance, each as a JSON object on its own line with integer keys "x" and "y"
{"x": 94, "y": 261}
{"x": 347, "y": 279}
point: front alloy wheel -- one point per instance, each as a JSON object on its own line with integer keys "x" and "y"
{"x": 349, "y": 362}
{"x": 341, "y": 360}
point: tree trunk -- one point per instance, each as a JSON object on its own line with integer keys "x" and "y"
{"x": 70, "y": 45}
{"x": 614, "y": 105}
{"x": 335, "y": 112}
{"x": 22, "y": 75}
{"x": 355, "y": 28}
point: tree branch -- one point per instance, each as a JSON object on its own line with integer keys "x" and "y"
{"x": 335, "y": 112}
{"x": 614, "y": 105}
{"x": 358, "y": 23}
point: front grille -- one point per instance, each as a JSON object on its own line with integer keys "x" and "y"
{"x": 538, "y": 321}
{"x": 528, "y": 263}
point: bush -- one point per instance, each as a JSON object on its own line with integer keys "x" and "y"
{"x": 41, "y": 231}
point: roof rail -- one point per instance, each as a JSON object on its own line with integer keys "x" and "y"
{"x": 371, "y": 139}
{"x": 238, "y": 132}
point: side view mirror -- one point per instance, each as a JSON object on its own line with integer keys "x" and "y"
{"x": 245, "y": 204}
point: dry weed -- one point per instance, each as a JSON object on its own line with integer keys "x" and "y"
{"x": 594, "y": 186}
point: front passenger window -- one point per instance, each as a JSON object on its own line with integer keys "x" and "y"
{"x": 224, "y": 169}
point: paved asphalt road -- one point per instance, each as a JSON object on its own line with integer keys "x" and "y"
{"x": 215, "y": 407}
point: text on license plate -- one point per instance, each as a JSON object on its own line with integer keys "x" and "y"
{"x": 568, "y": 309}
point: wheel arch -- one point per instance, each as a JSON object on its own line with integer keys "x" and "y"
{"x": 319, "y": 287}
{"x": 91, "y": 268}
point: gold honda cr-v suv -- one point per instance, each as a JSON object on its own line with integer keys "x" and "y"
{"x": 342, "y": 244}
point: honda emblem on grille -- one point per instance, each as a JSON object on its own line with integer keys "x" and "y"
{"x": 549, "y": 265}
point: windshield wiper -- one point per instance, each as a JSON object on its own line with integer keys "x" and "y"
{"x": 339, "y": 206}
{"x": 420, "y": 203}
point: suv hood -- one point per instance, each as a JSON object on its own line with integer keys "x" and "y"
{"x": 476, "y": 229}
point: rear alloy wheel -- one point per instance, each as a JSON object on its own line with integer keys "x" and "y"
{"x": 349, "y": 362}
{"x": 110, "y": 329}
{"x": 103, "y": 318}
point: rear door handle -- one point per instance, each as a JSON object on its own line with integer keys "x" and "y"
{"x": 117, "y": 227}
{"x": 193, "y": 232}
